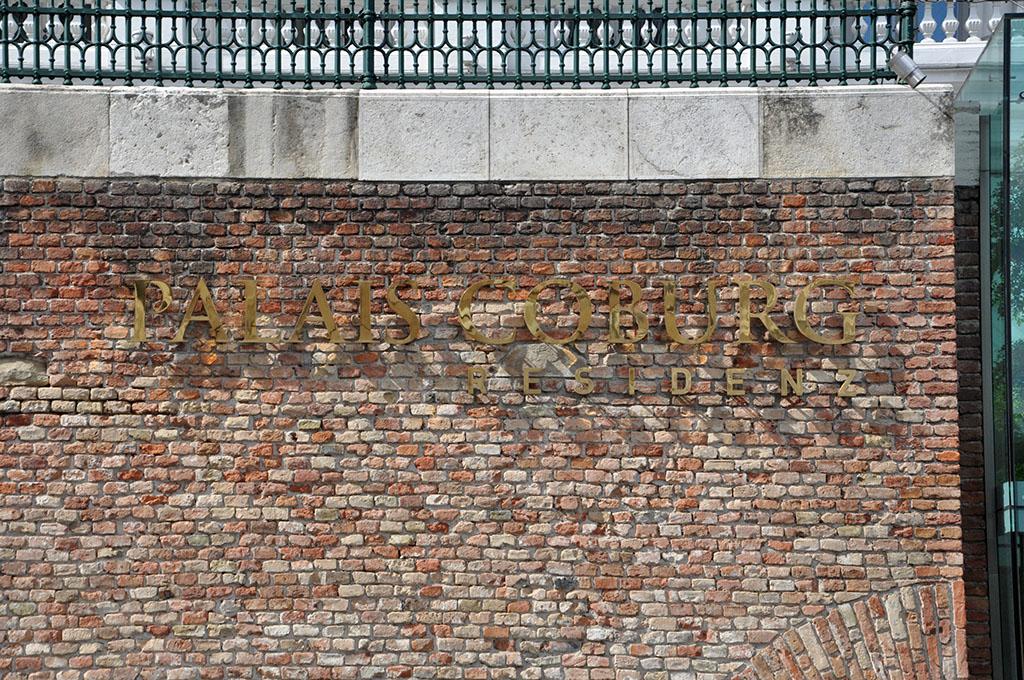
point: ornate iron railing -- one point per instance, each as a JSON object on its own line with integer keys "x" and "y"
{"x": 483, "y": 43}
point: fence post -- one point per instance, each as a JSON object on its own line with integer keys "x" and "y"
{"x": 908, "y": 27}
{"x": 369, "y": 16}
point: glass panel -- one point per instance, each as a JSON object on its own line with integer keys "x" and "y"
{"x": 995, "y": 82}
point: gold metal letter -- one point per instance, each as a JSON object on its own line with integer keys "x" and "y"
{"x": 847, "y": 389}
{"x": 466, "y": 311}
{"x": 788, "y": 383}
{"x": 800, "y": 313}
{"x": 316, "y": 293}
{"x": 476, "y": 378}
{"x": 672, "y": 324}
{"x": 586, "y": 383}
{"x": 745, "y": 313}
{"x": 529, "y": 386}
{"x": 631, "y": 384}
{"x": 139, "y": 328}
{"x": 404, "y": 311}
{"x": 249, "y": 331}
{"x": 734, "y": 381}
{"x": 687, "y": 382}
{"x": 615, "y": 309}
{"x": 201, "y": 297}
{"x": 530, "y": 313}
{"x": 365, "y": 333}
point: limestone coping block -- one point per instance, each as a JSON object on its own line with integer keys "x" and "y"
{"x": 967, "y": 135}
{"x": 168, "y": 132}
{"x": 428, "y": 135}
{"x": 480, "y": 135}
{"x": 859, "y": 131}
{"x": 568, "y": 134}
{"x": 50, "y": 132}
{"x": 712, "y": 135}
{"x": 279, "y": 135}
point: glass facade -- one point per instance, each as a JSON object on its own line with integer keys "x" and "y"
{"x": 995, "y": 91}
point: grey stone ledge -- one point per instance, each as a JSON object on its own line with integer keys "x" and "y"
{"x": 422, "y": 135}
{"x": 866, "y": 131}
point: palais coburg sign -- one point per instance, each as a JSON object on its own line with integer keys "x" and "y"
{"x": 201, "y": 308}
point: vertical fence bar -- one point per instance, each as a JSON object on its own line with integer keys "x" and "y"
{"x": 66, "y": 40}
{"x": 277, "y": 25}
{"x": 369, "y": 77}
{"x": 219, "y": 42}
{"x": 784, "y": 46}
{"x": 337, "y": 41}
{"x": 248, "y": 47}
{"x": 907, "y": 18}
{"x": 159, "y": 33}
{"x": 814, "y": 43}
{"x": 5, "y": 42}
{"x": 637, "y": 27}
{"x": 693, "y": 43}
{"x": 489, "y": 27}
{"x": 96, "y": 35}
{"x": 189, "y": 46}
{"x": 48, "y": 31}
{"x": 399, "y": 43}
{"x": 605, "y": 38}
{"x": 460, "y": 55}
{"x": 843, "y": 39}
{"x": 663, "y": 43}
{"x": 753, "y": 52}
{"x": 307, "y": 37}
{"x": 431, "y": 42}
{"x": 873, "y": 28}
{"x": 36, "y": 75}
{"x": 723, "y": 36}
{"x": 545, "y": 49}
{"x": 575, "y": 43}
{"x": 517, "y": 47}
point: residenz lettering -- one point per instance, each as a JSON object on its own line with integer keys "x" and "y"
{"x": 201, "y": 307}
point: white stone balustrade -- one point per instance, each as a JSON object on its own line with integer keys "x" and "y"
{"x": 952, "y": 35}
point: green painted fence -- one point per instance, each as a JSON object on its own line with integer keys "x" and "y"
{"x": 462, "y": 43}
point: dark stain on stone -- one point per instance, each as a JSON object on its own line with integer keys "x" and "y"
{"x": 566, "y": 583}
{"x": 791, "y": 115}
{"x": 236, "y": 134}
{"x": 294, "y": 121}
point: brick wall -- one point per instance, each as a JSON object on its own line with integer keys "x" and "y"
{"x": 351, "y": 510}
{"x": 972, "y": 454}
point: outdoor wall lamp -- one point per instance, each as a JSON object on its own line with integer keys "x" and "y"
{"x": 906, "y": 69}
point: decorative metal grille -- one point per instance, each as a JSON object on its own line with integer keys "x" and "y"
{"x": 482, "y": 43}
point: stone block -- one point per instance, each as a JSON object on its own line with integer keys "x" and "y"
{"x": 968, "y": 147}
{"x": 168, "y": 132}
{"x": 869, "y": 131}
{"x": 19, "y": 369}
{"x": 564, "y": 135}
{"x": 699, "y": 134}
{"x": 292, "y": 135}
{"x": 54, "y": 131}
{"x": 423, "y": 135}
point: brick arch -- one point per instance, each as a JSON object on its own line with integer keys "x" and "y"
{"x": 909, "y": 633}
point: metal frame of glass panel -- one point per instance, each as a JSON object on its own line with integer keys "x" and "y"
{"x": 996, "y": 89}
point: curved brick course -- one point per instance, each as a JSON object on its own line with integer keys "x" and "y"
{"x": 910, "y": 632}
